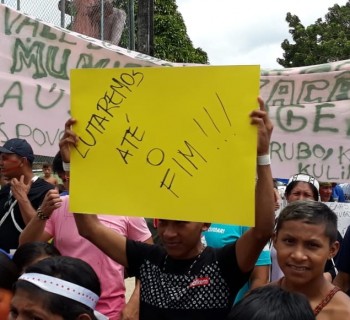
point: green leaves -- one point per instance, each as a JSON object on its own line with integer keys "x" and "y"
{"x": 171, "y": 41}
{"x": 324, "y": 41}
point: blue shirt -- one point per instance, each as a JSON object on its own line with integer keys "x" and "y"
{"x": 337, "y": 192}
{"x": 219, "y": 235}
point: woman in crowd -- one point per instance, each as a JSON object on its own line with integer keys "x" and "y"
{"x": 305, "y": 238}
{"x": 56, "y": 288}
{"x": 302, "y": 187}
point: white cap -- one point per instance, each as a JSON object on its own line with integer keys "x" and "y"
{"x": 305, "y": 178}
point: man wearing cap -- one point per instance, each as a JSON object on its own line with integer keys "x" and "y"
{"x": 19, "y": 199}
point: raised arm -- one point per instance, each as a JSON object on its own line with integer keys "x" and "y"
{"x": 106, "y": 239}
{"x": 35, "y": 229}
{"x": 68, "y": 140}
{"x": 117, "y": 27}
{"x": 20, "y": 191}
{"x": 251, "y": 243}
{"x": 89, "y": 227}
{"x": 260, "y": 276}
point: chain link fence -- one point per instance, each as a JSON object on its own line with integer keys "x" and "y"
{"x": 95, "y": 18}
{"x": 98, "y": 19}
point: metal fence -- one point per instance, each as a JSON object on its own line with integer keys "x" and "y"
{"x": 94, "y": 18}
{"x": 46, "y": 10}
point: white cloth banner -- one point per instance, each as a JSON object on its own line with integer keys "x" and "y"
{"x": 311, "y": 113}
{"x": 36, "y": 59}
{"x": 309, "y": 106}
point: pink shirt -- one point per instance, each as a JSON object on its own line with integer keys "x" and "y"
{"x": 62, "y": 227}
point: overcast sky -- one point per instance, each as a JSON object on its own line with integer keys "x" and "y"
{"x": 230, "y": 31}
{"x": 246, "y": 32}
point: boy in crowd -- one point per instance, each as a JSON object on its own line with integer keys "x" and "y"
{"x": 182, "y": 279}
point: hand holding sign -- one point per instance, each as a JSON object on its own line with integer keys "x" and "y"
{"x": 175, "y": 141}
{"x": 68, "y": 140}
{"x": 265, "y": 127}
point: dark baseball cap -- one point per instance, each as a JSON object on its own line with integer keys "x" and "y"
{"x": 20, "y": 147}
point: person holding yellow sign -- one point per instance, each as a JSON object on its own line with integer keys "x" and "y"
{"x": 182, "y": 279}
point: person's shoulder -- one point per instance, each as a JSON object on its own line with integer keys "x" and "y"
{"x": 40, "y": 187}
{"x": 42, "y": 182}
{"x": 116, "y": 16}
{"x": 222, "y": 252}
{"x": 342, "y": 297}
{"x": 64, "y": 204}
{"x": 39, "y": 181}
{"x": 125, "y": 220}
{"x": 134, "y": 228}
{"x": 339, "y": 306}
{"x": 136, "y": 220}
{"x": 51, "y": 180}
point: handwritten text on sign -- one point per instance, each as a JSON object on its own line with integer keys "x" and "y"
{"x": 165, "y": 142}
{"x": 309, "y": 106}
{"x": 311, "y": 116}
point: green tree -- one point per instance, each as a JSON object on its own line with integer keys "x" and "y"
{"x": 321, "y": 42}
{"x": 171, "y": 41}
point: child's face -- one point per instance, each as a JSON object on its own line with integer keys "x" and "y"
{"x": 303, "y": 250}
{"x": 47, "y": 171}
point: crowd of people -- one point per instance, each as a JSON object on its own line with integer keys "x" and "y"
{"x": 56, "y": 264}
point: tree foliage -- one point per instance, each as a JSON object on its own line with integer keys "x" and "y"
{"x": 171, "y": 41}
{"x": 324, "y": 41}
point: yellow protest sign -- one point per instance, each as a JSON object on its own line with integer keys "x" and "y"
{"x": 171, "y": 143}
